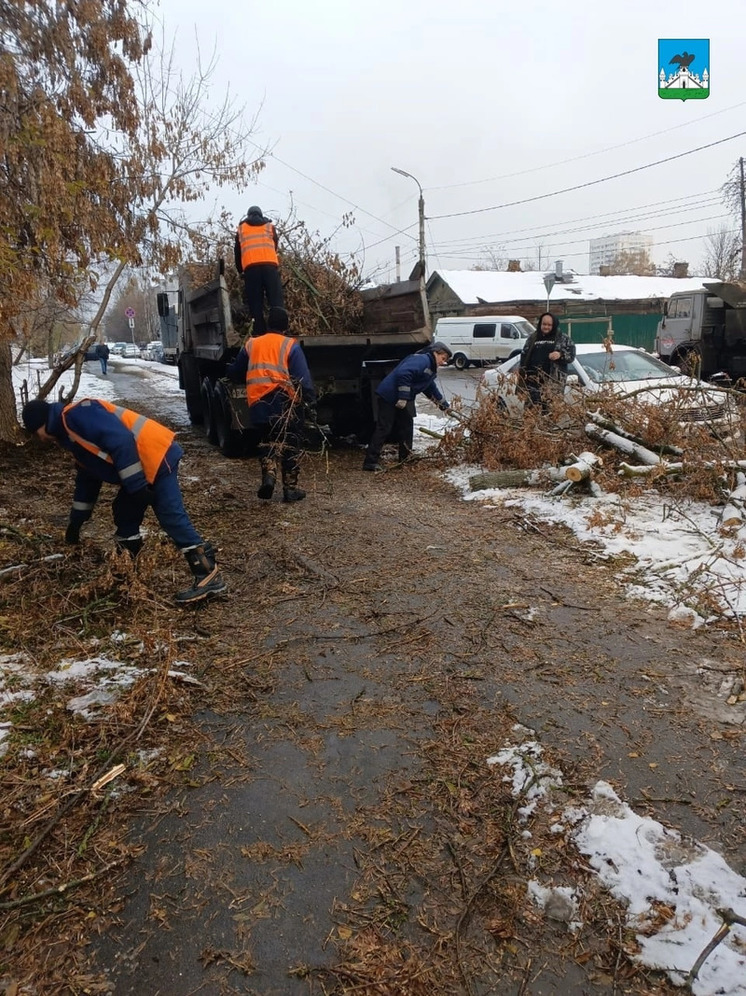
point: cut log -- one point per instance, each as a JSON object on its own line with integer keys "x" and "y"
{"x": 618, "y": 442}
{"x": 583, "y": 466}
{"x": 514, "y": 478}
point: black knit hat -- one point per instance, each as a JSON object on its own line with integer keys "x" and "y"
{"x": 35, "y": 414}
{"x": 277, "y": 320}
{"x": 255, "y": 212}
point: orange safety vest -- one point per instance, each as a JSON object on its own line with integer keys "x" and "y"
{"x": 268, "y": 366}
{"x": 151, "y": 439}
{"x": 257, "y": 244}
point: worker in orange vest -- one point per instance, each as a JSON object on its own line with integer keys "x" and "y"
{"x": 256, "y": 258}
{"x": 280, "y": 393}
{"x": 121, "y": 447}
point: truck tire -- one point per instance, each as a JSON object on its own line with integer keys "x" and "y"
{"x": 189, "y": 379}
{"x": 460, "y": 362}
{"x": 230, "y": 440}
{"x": 208, "y": 407}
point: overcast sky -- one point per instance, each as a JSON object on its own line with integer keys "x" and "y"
{"x": 485, "y": 105}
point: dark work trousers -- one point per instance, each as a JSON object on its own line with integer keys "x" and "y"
{"x": 168, "y": 505}
{"x": 392, "y": 419}
{"x": 279, "y": 445}
{"x": 102, "y": 361}
{"x": 258, "y": 280}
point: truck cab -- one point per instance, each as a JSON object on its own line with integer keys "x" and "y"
{"x": 703, "y": 331}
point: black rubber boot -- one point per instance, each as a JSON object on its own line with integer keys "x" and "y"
{"x": 207, "y": 578}
{"x": 293, "y": 494}
{"x": 269, "y": 477}
{"x": 132, "y": 544}
{"x": 290, "y": 489}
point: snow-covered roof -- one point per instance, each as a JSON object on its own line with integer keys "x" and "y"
{"x": 474, "y": 287}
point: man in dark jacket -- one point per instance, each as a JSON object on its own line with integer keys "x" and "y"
{"x": 102, "y": 351}
{"x": 279, "y": 392}
{"x": 118, "y": 446}
{"x": 416, "y": 374}
{"x": 255, "y": 253}
{"x": 544, "y": 359}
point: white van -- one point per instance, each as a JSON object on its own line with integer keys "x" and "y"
{"x": 482, "y": 339}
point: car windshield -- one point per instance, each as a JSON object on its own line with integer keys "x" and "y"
{"x": 603, "y": 367}
{"x": 525, "y": 328}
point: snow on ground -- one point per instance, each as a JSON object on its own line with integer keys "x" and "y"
{"x": 678, "y": 555}
{"x": 671, "y": 886}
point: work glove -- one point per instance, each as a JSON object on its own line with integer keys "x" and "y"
{"x": 72, "y": 533}
{"x": 401, "y": 403}
{"x": 444, "y": 407}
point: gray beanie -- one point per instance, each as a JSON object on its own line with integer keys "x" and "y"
{"x": 35, "y": 414}
{"x": 440, "y": 347}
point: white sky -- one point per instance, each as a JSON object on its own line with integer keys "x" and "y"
{"x": 484, "y": 104}
{"x": 638, "y": 860}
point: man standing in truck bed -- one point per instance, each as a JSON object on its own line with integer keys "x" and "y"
{"x": 256, "y": 258}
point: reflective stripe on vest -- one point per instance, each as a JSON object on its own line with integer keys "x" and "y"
{"x": 151, "y": 439}
{"x": 268, "y": 366}
{"x": 257, "y": 244}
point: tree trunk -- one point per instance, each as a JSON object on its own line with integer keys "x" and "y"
{"x": 514, "y": 478}
{"x": 583, "y": 467}
{"x": 10, "y": 431}
{"x": 618, "y": 442}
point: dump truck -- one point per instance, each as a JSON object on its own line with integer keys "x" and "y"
{"x": 168, "y": 315}
{"x": 704, "y": 331}
{"x": 346, "y": 367}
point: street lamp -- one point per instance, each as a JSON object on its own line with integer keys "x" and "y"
{"x": 421, "y": 209}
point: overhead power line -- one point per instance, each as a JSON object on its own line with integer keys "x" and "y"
{"x": 588, "y": 183}
{"x": 586, "y": 155}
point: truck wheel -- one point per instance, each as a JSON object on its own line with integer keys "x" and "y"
{"x": 189, "y": 378}
{"x": 230, "y": 440}
{"x": 208, "y": 407}
{"x": 460, "y": 362}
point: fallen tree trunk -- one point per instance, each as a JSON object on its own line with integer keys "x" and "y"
{"x": 514, "y": 478}
{"x": 606, "y": 423}
{"x": 583, "y": 466}
{"x": 618, "y": 442}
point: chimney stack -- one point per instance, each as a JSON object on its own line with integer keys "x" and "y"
{"x": 514, "y": 266}
{"x": 681, "y": 270}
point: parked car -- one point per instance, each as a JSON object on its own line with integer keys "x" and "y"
{"x": 626, "y": 371}
{"x": 153, "y": 351}
{"x": 117, "y": 348}
{"x": 68, "y": 351}
{"x": 483, "y": 339}
{"x": 131, "y": 351}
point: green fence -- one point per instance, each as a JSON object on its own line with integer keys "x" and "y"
{"x": 629, "y": 330}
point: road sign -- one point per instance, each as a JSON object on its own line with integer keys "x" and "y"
{"x": 132, "y": 323}
{"x": 130, "y": 313}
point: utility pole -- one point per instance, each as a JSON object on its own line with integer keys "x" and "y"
{"x": 421, "y": 213}
{"x": 743, "y": 223}
{"x": 398, "y": 262}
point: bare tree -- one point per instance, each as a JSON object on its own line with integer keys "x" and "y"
{"x": 722, "y": 257}
{"x": 632, "y": 261}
